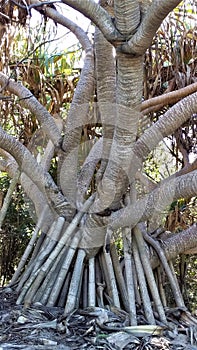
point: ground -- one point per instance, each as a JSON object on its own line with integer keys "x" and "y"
{"x": 39, "y": 327}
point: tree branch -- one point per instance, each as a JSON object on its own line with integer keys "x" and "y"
{"x": 127, "y": 16}
{"x": 98, "y": 16}
{"x": 178, "y": 243}
{"x": 106, "y": 94}
{"x": 168, "y": 98}
{"x": 166, "y": 125}
{"x": 156, "y": 201}
{"x": 34, "y": 106}
{"x": 73, "y": 27}
{"x": 10, "y": 166}
{"x": 34, "y": 171}
{"x": 153, "y": 18}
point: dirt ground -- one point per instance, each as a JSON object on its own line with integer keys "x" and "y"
{"x": 40, "y": 327}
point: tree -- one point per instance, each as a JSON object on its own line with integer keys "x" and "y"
{"x": 100, "y": 151}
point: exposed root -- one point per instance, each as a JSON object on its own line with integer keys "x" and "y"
{"x": 62, "y": 274}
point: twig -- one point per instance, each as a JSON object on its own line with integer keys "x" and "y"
{"x": 28, "y": 8}
{"x": 8, "y": 197}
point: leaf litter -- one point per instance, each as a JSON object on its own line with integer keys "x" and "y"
{"x": 39, "y": 327}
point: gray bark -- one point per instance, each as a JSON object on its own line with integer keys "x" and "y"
{"x": 28, "y": 100}
{"x": 156, "y": 201}
{"x": 98, "y": 16}
{"x": 155, "y": 14}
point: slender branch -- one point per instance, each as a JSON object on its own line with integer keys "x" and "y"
{"x": 29, "y": 247}
{"x": 79, "y": 109}
{"x": 73, "y": 27}
{"x": 143, "y": 285}
{"x": 174, "y": 285}
{"x": 33, "y": 6}
{"x": 74, "y": 288}
{"x": 129, "y": 275}
{"x": 38, "y": 198}
{"x": 149, "y": 273}
{"x": 168, "y": 98}
{"x": 9, "y": 164}
{"x": 8, "y": 197}
{"x": 88, "y": 169}
{"x": 3, "y": 15}
{"x": 91, "y": 283}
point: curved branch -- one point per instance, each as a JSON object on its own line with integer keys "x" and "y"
{"x": 168, "y": 98}
{"x": 188, "y": 168}
{"x": 31, "y": 103}
{"x": 38, "y": 198}
{"x": 166, "y": 125}
{"x": 8, "y": 164}
{"x": 88, "y": 169}
{"x": 97, "y": 15}
{"x": 73, "y": 27}
{"x": 153, "y": 18}
{"x": 156, "y": 201}
{"x": 8, "y": 197}
{"x": 77, "y": 118}
{"x": 34, "y": 171}
{"x": 78, "y": 112}
{"x": 178, "y": 243}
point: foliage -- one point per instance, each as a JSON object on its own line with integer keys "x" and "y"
{"x": 16, "y": 231}
{"x": 30, "y": 54}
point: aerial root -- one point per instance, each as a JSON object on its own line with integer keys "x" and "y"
{"x": 62, "y": 274}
